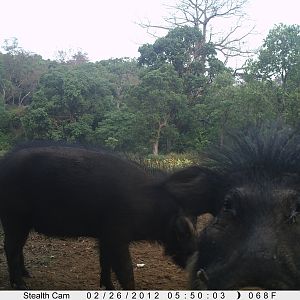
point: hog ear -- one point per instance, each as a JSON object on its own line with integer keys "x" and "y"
{"x": 197, "y": 190}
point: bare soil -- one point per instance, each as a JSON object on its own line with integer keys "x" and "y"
{"x": 73, "y": 264}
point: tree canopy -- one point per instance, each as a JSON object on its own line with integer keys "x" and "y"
{"x": 165, "y": 101}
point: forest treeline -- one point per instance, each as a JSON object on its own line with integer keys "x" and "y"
{"x": 177, "y": 96}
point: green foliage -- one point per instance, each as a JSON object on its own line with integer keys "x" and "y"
{"x": 4, "y": 117}
{"x": 177, "y": 97}
{"x": 256, "y": 102}
{"x": 71, "y": 101}
{"x": 81, "y": 130}
{"x": 5, "y": 139}
{"x": 192, "y": 59}
{"x": 9, "y": 126}
{"x": 20, "y": 73}
{"x": 279, "y": 55}
{"x": 159, "y": 97}
{"x": 5, "y": 143}
{"x": 292, "y": 111}
{"x": 37, "y": 124}
{"x": 177, "y": 48}
{"x": 117, "y": 130}
{"x": 278, "y": 64}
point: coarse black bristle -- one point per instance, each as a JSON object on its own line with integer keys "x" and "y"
{"x": 267, "y": 150}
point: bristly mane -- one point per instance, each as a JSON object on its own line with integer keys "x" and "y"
{"x": 267, "y": 150}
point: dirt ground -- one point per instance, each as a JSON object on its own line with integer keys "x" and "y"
{"x": 73, "y": 264}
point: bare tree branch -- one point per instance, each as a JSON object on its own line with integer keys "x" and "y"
{"x": 202, "y": 14}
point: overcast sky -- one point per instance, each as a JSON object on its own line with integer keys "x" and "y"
{"x": 106, "y": 29}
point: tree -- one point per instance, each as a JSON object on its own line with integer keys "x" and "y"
{"x": 69, "y": 103}
{"x": 21, "y": 72}
{"x": 228, "y": 105}
{"x": 37, "y": 124}
{"x": 123, "y": 73}
{"x": 79, "y": 58}
{"x": 279, "y": 56}
{"x": 118, "y": 130}
{"x": 158, "y": 97}
{"x": 4, "y": 127}
{"x": 11, "y": 46}
{"x": 71, "y": 57}
{"x": 219, "y": 107}
{"x": 179, "y": 48}
{"x": 202, "y": 15}
{"x": 278, "y": 63}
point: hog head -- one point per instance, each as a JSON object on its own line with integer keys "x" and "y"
{"x": 254, "y": 238}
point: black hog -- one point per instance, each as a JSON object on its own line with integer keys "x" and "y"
{"x": 72, "y": 191}
{"x": 254, "y": 239}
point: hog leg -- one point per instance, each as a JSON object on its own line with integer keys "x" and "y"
{"x": 122, "y": 265}
{"x": 25, "y": 272}
{"x": 13, "y": 244}
{"x": 105, "y": 265}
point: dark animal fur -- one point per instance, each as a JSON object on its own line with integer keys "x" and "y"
{"x": 254, "y": 239}
{"x": 74, "y": 191}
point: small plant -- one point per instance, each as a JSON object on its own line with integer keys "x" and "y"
{"x": 168, "y": 163}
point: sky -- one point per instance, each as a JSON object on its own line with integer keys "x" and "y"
{"x": 108, "y": 29}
